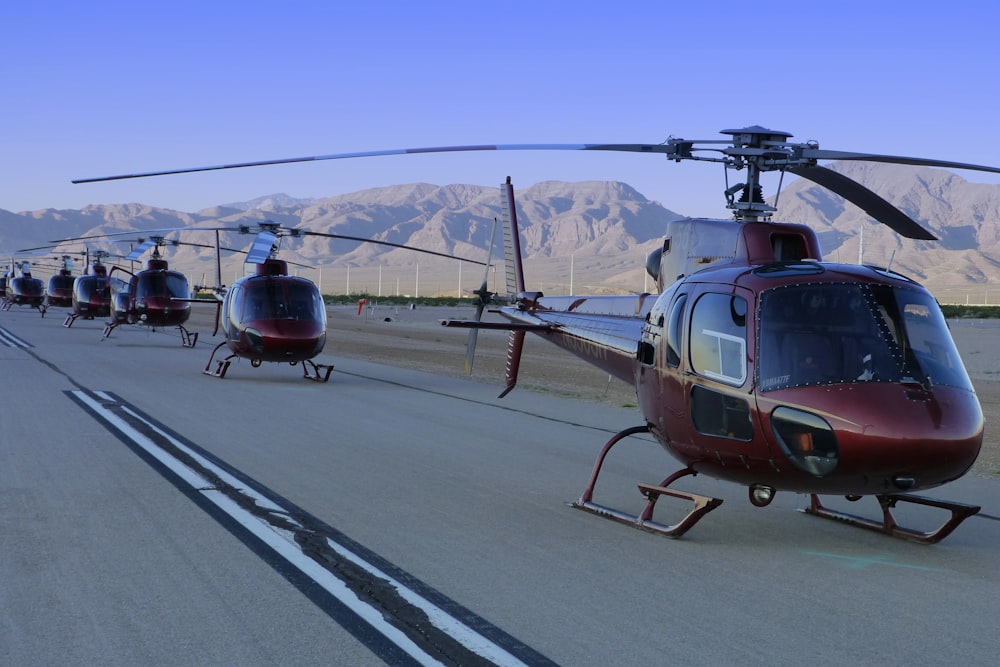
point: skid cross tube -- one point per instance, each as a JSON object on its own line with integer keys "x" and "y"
{"x": 959, "y": 513}
{"x": 702, "y": 504}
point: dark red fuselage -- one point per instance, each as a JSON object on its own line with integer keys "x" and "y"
{"x": 91, "y": 296}
{"x": 155, "y": 297}
{"x": 60, "y": 289}
{"x": 274, "y": 317}
{"x": 796, "y": 375}
{"x": 25, "y": 291}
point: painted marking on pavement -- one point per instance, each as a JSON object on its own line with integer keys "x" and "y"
{"x": 427, "y": 632}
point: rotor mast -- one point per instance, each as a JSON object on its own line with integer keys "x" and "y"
{"x": 754, "y": 149}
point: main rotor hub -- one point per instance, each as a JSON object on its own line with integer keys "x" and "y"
{"x": 755, "y": 149}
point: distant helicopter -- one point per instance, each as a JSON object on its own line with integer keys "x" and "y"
{"x": 274, "y": 317}
{"x": 23, "y": 289}
{"x": 758, "y": 363}
{"x": 157, "y": 296}
{"x": 90, "y": 295}
{"x": 60, "y": 288}
{"x": 91, "y": 291}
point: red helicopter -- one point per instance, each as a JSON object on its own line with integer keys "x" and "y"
{"x": 60, "y": 288}
{"x": 272, "y": 316}
{"x": 758, "y": 363}
{"x": 23, "y": 289}
{"x": 157, "y": 296}
{"x": 91, "y": 292}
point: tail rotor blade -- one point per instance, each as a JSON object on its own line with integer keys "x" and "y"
{"x": 470, "y": 350}
{"x": 484, "y": 298}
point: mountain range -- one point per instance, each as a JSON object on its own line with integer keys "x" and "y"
{"x": 596, "y": 233}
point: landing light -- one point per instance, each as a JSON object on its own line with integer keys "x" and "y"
{"x": 760, "y": 495}
{"x": 806, "y": 439}
{"x": 254, "y": 339}
{"x": 903, "y": 482}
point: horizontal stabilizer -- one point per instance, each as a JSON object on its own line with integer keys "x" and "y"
{"x": 499, "y": 326}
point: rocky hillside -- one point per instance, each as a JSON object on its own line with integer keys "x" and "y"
{"x": 594, "y": 233}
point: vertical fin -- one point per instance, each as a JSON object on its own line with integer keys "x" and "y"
{"x": 515, "y": 277}
{"x": 511, "y": 240}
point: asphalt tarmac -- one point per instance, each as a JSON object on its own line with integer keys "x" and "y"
{"x": 151, "y": 514}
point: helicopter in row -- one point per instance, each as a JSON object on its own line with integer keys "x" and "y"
{"x": 21, "y": 288}
{"x": 156, "y": 296}
{"x": 59, "y": 290}
{"x": 89, "y": 294}
{"x": 271, "y": 316}
{"x": 267, "y": 316}
{"x": 757, "y": 362}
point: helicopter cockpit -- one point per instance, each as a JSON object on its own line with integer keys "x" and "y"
{"x": 86, "y": 287}
{"x": 161, "y": 283}
{"x": 282, "y": 300}
{"x": 835, "y": 333}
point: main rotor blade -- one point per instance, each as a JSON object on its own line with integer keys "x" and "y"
{"x": 668, "y": 149}
{"x": 144, "y": 233}
{"x": 263, "y": 243}
{"x": 868, "y": 201}
{"x": 138, "y": 251}
{"x": 821, "y": 154}
{"x": 389, "y": 243}
{"x": 673, "y": 148}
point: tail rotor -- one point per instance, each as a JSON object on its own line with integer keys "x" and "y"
{"x": 484, "y": 297}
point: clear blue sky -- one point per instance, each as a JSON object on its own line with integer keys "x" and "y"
{"x": 99, "y": 88}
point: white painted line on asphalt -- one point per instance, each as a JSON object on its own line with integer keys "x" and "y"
{"x": 282, "y": 543}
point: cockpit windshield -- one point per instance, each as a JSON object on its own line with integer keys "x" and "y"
{"x": 161, "y": 283}
{"x": 842, "y": 333}
{"x": 86, "y": 287}
{"x": 283, "y": 299}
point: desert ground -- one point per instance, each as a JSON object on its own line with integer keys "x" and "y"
{"x": 414, "y": 338}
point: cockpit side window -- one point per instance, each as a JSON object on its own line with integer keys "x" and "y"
{"x": 675, "y": 330}
{"x": 719, "y": 338}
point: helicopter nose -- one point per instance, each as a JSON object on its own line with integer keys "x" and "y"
{"x": 915, "y": 440}
{"x": 877, "y": 437}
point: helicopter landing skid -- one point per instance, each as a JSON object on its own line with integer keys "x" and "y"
{"x": 221, "y": 366}
{"x": 188, "y": 339}
{"x": 702, "y": 504}
{"x": 316, "y": 372}
{"x": 959, "y": 513}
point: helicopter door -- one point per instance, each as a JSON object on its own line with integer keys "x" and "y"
{"x": 659, "y": 370}
{"x": 719, "y": 388}
{"x": 232, "y": 312}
